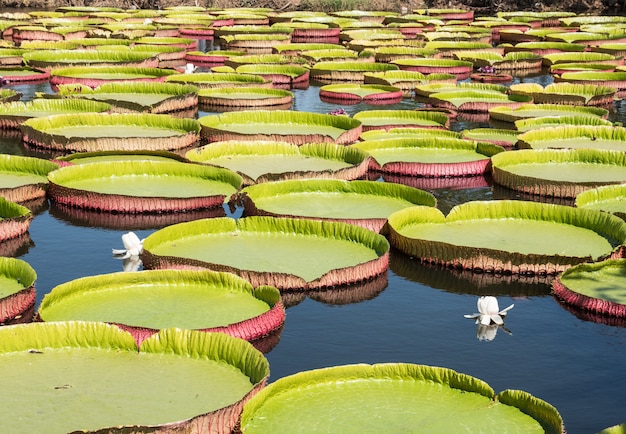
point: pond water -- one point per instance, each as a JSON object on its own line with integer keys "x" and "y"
{"x": 414, "y": 315}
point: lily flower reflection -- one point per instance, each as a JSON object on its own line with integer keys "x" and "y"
{"x": 133, "y": 246}
{"x": 489, "y": 312}
{"x": 488, "y": 332}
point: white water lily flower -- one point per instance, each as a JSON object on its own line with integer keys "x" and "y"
{"x": 133, "y": 246}
{"x": 189, "y": 68}
{"x": 489, "y": 311}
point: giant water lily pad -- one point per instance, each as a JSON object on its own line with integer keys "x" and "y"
{"x": 356, "y": 93}
{"x": 142, "y": 303}
{"x": 48, "y": 59}
{"x": 387, "y": 119}
{"x": 541, "y": 122}
{"x": 507, "y": 236}
{"x": 261, "y": 161}
{"x": 475, "y": 100}
{"x": 347, "y": 71}
{"x": 86, "y": 132}
{"x": 149, "y": 97}
{"x": 366, "y": 203}
{"x": 608, "y": 198}
{"x": 558, "y": 172}
{"x": 596, "y": 288}
{"x": 17, "y": 288}
{"x": 22, "y": 74}
{"x": 99, "y": 379}
{"x": 393, "y": 397}
{"x": 281, "y": 125}
{"x": 24, "y": 178}
{"x": 508, "y": 114}
{"x": 429, "y": 156}
{"x": 14, "y": 113}
{"x": 14, "y": 219}
{"x": 274, "y": 251}
{"x": 94, "y": 76}
{"x": 219, "y": 79}
{"x": 247, "y": 97}
{"x": 142, "y": 186}
{"x": 575, "y": 137}
{"x": 460, "y": 68}
{"x": 567, "y": 93}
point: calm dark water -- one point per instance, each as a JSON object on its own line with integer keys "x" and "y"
{"x": 415, "y": 316}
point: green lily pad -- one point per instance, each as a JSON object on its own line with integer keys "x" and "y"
{"x": 508, "y": 114}
{"x": 410, "y": 397}
{"x": 24, "y": 178}
{"x": 17, "y": 286}
{"x": 14, "y": 113}
{"x": 149, "y": 97}
{"x": 245, "y": 97}
{"x": 281, "y": 125}
{"x": 219, "y": 79}
{"x": 558, "y": 172}
{"x": 387, "y": 119}
{"x": 99, "y": 379}
{"x": 267, "y": 250}
{"x": 141, "y": 303}
{"x": 597, "y": 287}
{"x": 261, "y": 161}
{"x": 608, "y": 198}
{"x": 142, "y": 186}
{"x": 507, "y": 236}
{"x": 429, "y": 156}
{"x": 574, "y": 137}
{"x": 87, "y": 132}
{"x": 366, "y": 203}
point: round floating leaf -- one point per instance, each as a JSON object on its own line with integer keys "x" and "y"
{"x": 281, "y": 125}
{"x": 386, "y": 119}
{"x": 141, "y": 303}
{"x": 142, "y": 186}
{"x": 507, "y": 236}
{"x": 272, "y": 251}
{"x": 597, "y": 287}
{"x": 366, "y": 203}
{"x": 17, "y": 285}
{"x": 86, "y": 132}
{"x": 14, "y": 113}
{"x": 414, "y": 398}
{"x": 608, "y": 198}
{"x": 262, "y": 161}
{"x": 24, "y": 178}
{"x": 354, "y": 93}
{"x": 558, "y": 173}
{"x": 244, "y": 97}
{"x": 206, "y": 377}
{"x": 508, "y": 114}
{"x": 575, "y": 137}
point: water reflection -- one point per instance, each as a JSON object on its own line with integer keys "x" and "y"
{"x": 121, "y": 221}
{"x": 17, "y": 246}
{"x": 468, "y": 282}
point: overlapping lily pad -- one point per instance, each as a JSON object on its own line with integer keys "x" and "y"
{"x": 15, "y": 220}
{"x": 365, "y": 203}
{"x": 574, "y": 137}
{"x": 280, "y": 125}
{"x": 460, "y": 68}
{"x": 507, "y": 236}
{"x": 559, "y": 121}
{"x": 205, "y": 376}
{"x": 13, "y": 114}
{"x": 279, "y": 75}
{"x": 146, "y": 97}
{"x": 142, "y": 186}
{"x": 430, "y": 156}
{"x": 219, "y": 79}
{"x": 272, "y": 251}
{"x": 328, "y": 72}
{"x": 567, "y": 93}
{"x": 356, "y": 93}
{"x": 558, "y": 172}
{"x": 141, "y": 303}
{"x": 415, "y": 397}
{"x": 87, "y": 132}
{"x": 262, "y": 161}
{"x": 22, "y": 74}
{"x": 242, "y": 98}
{"x": 597, "y": 288}
{"x": 508, "y": 114}
{"x": 608, "y": 198}
{"x": 24, "y": 178}
{"x": 17, "y": 292}
{"x": 94, "y": 76}
{"x": 48, "y": 60}
{"x": 387, "y": 119}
